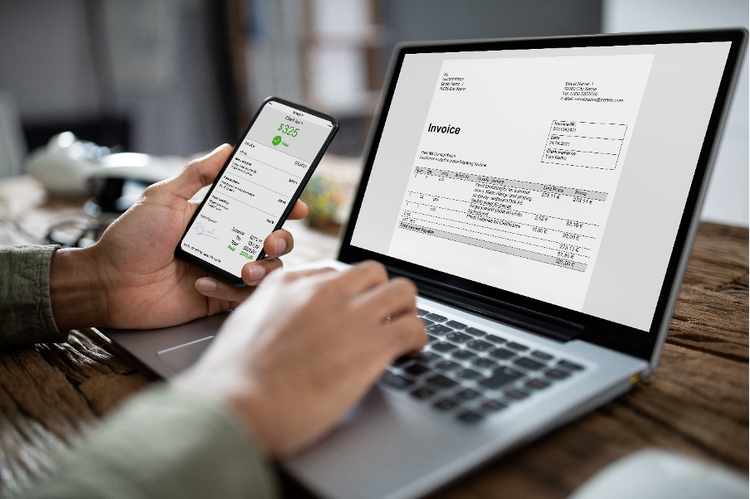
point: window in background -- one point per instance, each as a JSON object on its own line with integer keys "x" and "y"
{"x": 326, "y": 54}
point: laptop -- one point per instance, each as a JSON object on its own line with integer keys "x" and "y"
{"x": 543, "y": 194}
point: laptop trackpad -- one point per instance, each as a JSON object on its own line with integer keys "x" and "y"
{"x": 183, "y": 356}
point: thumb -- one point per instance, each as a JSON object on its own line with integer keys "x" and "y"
{"x": 200, "y": 172}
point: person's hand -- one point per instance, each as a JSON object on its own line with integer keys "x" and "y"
{"x": 130, "y": 277}
{"x": 304, "y": 349}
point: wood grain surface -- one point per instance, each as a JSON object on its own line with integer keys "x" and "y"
{"x": 696, "y": 402}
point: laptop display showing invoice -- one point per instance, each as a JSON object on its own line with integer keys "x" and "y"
{"x": 517, "y": 161}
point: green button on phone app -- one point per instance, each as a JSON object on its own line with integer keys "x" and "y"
{"x": 277, "y": 140}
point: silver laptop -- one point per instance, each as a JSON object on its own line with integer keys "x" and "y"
{"x": 543, "y": 194}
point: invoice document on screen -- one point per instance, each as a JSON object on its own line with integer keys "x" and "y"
{"x": 516, "y": 170}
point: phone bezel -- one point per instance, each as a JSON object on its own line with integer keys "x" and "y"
{"x": 219, "y": 272}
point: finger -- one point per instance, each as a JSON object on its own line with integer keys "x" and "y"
{"x": 193, "y": 205}
{"x": 213, "y": 288}
{"x": 254, "y": 272}
{"x": 299, "y": 211}
{"x": 324, "y": 273}
{"x": 199, "y": 173}
{"x": 395, "y": 298}
{"x": 319, "y": 273}
{"x": 404, "y": 332}
{"x": 363, "y": 277}
{"x": 278, "y": 243}
{"x": 403, "y": 335}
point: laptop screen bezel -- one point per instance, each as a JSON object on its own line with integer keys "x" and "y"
{"x": 593, "y": 329}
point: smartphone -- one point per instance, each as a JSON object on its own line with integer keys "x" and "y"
{"x": 257, "y": 188}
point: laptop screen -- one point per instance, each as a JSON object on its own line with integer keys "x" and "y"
{"x": 560, "y": 174}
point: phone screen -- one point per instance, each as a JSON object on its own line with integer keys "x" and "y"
{"x": 257, "y": 187}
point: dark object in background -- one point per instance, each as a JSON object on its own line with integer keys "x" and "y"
{"x": 115, "y": 195}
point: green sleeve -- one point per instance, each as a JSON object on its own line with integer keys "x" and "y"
{"x": 164, "y": 444}
{"x": 25, "y": 306}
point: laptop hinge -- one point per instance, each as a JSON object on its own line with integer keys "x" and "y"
{"x": 506, "y": 313}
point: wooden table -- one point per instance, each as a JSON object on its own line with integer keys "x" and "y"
{"x": 696, "y": 402}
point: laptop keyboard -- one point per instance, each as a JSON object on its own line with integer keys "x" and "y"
{"x": 472, "y": 374}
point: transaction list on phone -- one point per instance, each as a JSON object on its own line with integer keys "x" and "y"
{"x": 257, "y": 187}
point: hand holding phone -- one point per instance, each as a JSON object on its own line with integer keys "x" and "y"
{"x": 257, "y": 188}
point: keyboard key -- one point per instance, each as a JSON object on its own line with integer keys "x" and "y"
{"x": 458, "y": 337}
{"x": 443, "y": 346}
{"x": 516, "y": 394}
{"x": 447, "y": 365}
{"x": 427, "y": 357}
{"x": 441, "y": 381}
{"x": 463, "y": 354}
{"x": 496, "y": 339}
{"x": 570, "y": 366}
{"x": 556, "y": 374}
{"x": 528, "y": 363}
{"x": 416, "y": 369}
{"x": 436, "y": 317}
{"x": 432, "y": 338}
{"x": 470, "y": 417}
{"x": 427, "y": 322}
{"x": 476, "y": 332}
{"x": 541, "y": 355}
{"x": 537, "y": 384}
{"x": 395, "y": 381}
{"x": 480, "y": 345}
{"x": 467, "y": 394}
{"x": 422, "y": 393}
{"x": 517, "y": 346}
{"x": 502, "y": 353}
{"x": 492, "y": 406}
{"x": 455, "y": 324}
{"x": 421, "y": 312}
{"x": 404, "y": 359}
{"x": 468, "y": 374}
{"x": 439, "y": 329}
{"x": 484, "y": 363}
{"x": 445, "y": 404}
{"x": 500, "y": 378}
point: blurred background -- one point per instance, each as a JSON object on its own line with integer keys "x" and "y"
{"x": 178, "y": 77}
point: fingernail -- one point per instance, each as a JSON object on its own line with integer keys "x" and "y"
{"x": 280, "y": 246}
{"x": 206, "y": 284}
{"x": 222, "y": 146}
{"x": 256, "y": 272}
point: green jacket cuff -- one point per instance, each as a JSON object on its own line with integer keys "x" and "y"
{"x": 165, "y": 444}
{"x": 25, "y": 306}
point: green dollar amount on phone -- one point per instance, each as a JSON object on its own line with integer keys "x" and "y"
{"x": 288, "y": 130}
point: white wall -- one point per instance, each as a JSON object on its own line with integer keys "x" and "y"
{"x": 727, "y": 200}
